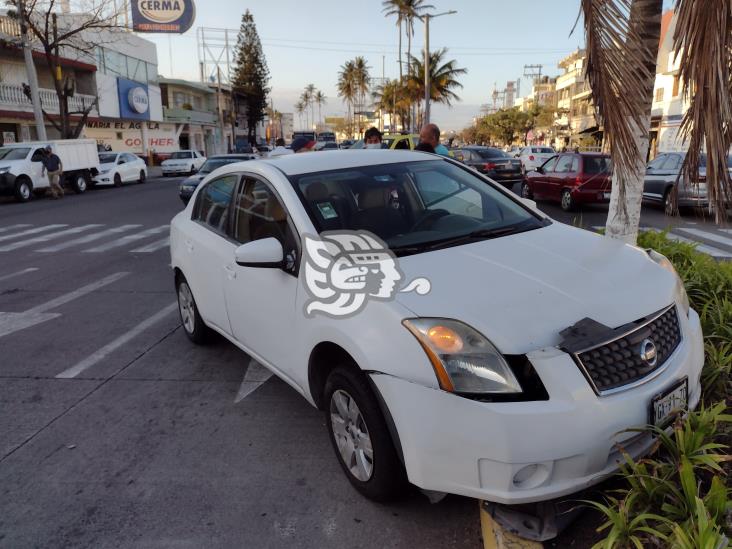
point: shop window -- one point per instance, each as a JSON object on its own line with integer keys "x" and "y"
{"x": 659, "y": 95}
{"x": 115, "y": 63}
{"x": 137, "y": 70}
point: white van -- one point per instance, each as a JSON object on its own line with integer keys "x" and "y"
{"x": 21, "y": 166}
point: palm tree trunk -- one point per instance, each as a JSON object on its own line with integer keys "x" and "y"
{"x": 400, "y": 51}
{"x": 623, "y": 218}
{"x": 409, "y": 71}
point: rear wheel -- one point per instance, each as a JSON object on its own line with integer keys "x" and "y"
{"x": 193, "y": 169}
{"x": 567, "y": 201}
{"x": 526, "y": 191}
{"x": 360, "y": 436}
{"x": 79, "y": 183}
{"x": 193, "y": 324}
{"x": 142, "y": 177}
{"x": 23, "y": 189}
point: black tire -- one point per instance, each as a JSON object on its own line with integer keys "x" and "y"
{"x": 388, "y": 478}
{"x": 23, "y": 189}
{"x": 117, "y": 180}
{"x": 668, "y": 206}
{"x": 79, "y": 183}
{"x": 566, "y": 201}
{"x": 193, "y": 169}
{"x": 142, "y": 177}
{"x": 526, "y": 191}
{"x": 193, "y": 324}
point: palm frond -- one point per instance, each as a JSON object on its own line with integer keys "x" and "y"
{"x": 622, "y": 39}
{"x": 703, "y": 45}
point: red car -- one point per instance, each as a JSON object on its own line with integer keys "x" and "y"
{"x": 571, "y": 179}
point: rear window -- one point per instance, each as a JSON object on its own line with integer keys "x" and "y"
{"x": 703, "y": 161}
{"x": 491, "y": 153}
{"x": 597, "y": 164}
{"x": 543, "y": 150}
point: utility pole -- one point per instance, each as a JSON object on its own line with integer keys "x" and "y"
{"x": 222, "y": 145}
{"x": 427, "y": 83}
{"x": 32, "y": 76}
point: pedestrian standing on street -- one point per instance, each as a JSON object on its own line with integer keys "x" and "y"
{"x": 372, "y": 138}
{"x": 54, "y": 167}
{"x": 430, "y": 134}
{"x": 302, "y": 145}
{"x": 280, "y": 148}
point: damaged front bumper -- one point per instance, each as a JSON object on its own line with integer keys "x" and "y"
{"x": 521, "y": 452}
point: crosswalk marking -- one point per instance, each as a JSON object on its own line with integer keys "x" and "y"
{"x": 708, "y": 235}
{"x": 127, "y": 239}
{"x": 709, "y": 250}
{"x": 158, "y": 244}
{"x": 32, "y": 231}
{"x": 13, "y": 227}
{"x": 88, "y": 238}
{"x": 47, "y": 237}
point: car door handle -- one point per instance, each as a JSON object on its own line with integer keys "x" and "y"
{"x": 230, "y": 271}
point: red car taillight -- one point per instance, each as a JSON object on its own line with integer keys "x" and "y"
{"x": 531, "y": 157}
{"x": 489, "y": 166}
{"x": 578, "y": 181}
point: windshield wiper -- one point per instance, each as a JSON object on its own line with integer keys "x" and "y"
{"x": 479, "y": 234}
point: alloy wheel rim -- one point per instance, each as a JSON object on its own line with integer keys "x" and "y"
{"x": 24, "y": 190}
{"x": 185, "y": 304}
{"x": 81, "y": 183}
{"x": 668, "y": 205}
{"x": 525, "y": 190}
{"x": 566, "y": 200}
{"x": 351, "y": 435}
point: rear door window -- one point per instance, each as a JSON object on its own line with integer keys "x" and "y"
{"x": 596, "y": 164}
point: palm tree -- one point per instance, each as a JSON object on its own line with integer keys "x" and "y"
{"x": 443, "y": 78}
{"x": 346, "y": 87}
{"x": 391, "y": 98}
{"x": 396, "y": 8}
{"x": 300, "y": 109}
{"x": 412, "y": 10}
{"x": 320, "y": 100}
{"x": 309, "y": 95}
{"x": 361, "y": 83}
{"x": 622, "y": 38}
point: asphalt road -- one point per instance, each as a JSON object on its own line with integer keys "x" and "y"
{"x": 115, "y": 431}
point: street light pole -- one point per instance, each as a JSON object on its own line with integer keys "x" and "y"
{"x": 32, "y": 76}
{"x": 427, "y": 83}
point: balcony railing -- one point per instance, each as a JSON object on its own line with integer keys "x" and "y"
{"x": 12, "y": 98}
{"x": 9, "y": 26}
{"x": 176, "y": 114}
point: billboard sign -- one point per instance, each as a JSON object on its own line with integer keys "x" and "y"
{"x": 166, "y": 16}
{"x": 134, "y": 100}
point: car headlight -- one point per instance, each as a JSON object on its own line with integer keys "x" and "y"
{"x": 463, "y": 359}
{"x": 679, "y": 292}
{"x": 4, "y": 169}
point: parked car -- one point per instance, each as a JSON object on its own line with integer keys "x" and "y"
{"x": 515, "y": 377}
{"x": 326, "y": 146}
{"x": 533, "y": 157}
{"x": 571, "y": 179}
{"x": 21, "y": 166}
{"x": 514, "y": 151}
{"x": 118, "y": 168}
{"x": 188, "y": 185}
{"x": 663, "y": 174}
{"x": 346, "y": 143}
{"x": 494, "y": 163}
{"x": 183, "y": 162}
{"x": 394, "y": 142}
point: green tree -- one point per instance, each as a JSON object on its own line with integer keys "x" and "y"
{"x": 251, "y": 75}
{"x": 396, "y": 8}
{"x": 504, "y": 126}
{"x": 347, "y": 89}
{"x": 319, "y": 99}
{"x": 443, "y": 78}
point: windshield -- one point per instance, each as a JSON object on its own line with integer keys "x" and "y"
{"x": 597, "y": 164}
{"x": 180, "y": 154}
{"x": 107, "y": 158}
{"x": 13, "y": 153}
{"x": 543, "y": 150}
{"x": 214, "y": 163}
{"x": 491, "y": 153}
{"x": 412, "y": 206}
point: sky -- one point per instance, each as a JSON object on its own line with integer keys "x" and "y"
{"x": 307, "y": 42}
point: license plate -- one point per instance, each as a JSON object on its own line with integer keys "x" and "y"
{"x": 667, "y": 405}
{"x": 606, "y": 196}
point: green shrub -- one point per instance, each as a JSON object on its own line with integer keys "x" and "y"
{"x": 678, "y": 496}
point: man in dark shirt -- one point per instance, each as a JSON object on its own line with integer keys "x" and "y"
{"x": 53, "y": 165}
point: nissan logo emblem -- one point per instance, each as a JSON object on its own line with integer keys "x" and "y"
{"x": 648, "y": 352}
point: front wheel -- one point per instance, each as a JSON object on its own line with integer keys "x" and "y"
{"x": 193, "y": 169}
{"x": 668, "y": 202}
{"x": 526, "y": 191}
{"x": 193, "y": 324}
{"x": 23, "y": 190}
{"x": 142, "y": 177}
{"x": 360, "y": 436}
{"x": 567, "y": 201}
{"x": 79, "y": 183}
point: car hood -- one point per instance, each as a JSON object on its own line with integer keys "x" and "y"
{"x": 521, "y": 290}
{"x": 194, "y": 179}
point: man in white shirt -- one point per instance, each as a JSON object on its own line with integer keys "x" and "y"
{"x": 280, "y": 148}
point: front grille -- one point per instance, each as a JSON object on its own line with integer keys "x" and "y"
{"x": 619, "y": 362}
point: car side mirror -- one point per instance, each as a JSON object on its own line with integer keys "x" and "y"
{"x": 120, "y": 161}
{"x": 539, "y": 169}
{"x": 528, "y": 202}
{"x": 266, "y": 253}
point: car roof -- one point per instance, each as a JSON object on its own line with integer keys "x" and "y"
{"x": 296, "y": 164}
{"x": 232, "y": 155}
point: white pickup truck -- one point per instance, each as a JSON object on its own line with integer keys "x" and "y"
{"x": 21, "y": 166}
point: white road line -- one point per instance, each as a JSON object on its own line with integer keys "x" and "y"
{"x": 32, "y": 231}
{"x": 65, "y": 298}
{"x": 162, "y": 243}
{"x": 128, "y": 239}
{"x": 254, "y": 378}
{"x": 102, "y": 353}
{"x": 709, "y": 236}
{"x": 728, "y": 231}
{"x": 14, "y": 227}
{"x": 709, "y": 250}
{"x": 47, "y": 237}
{"x": 88, "y": 238}
{"x": 18, "y": 273}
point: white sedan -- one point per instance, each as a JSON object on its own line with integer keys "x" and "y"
{"x": 533, "y": 157}
{"x": 454, "y": 336}
{"x": 118, "y": 168}
{"x": 182, "y": 163}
